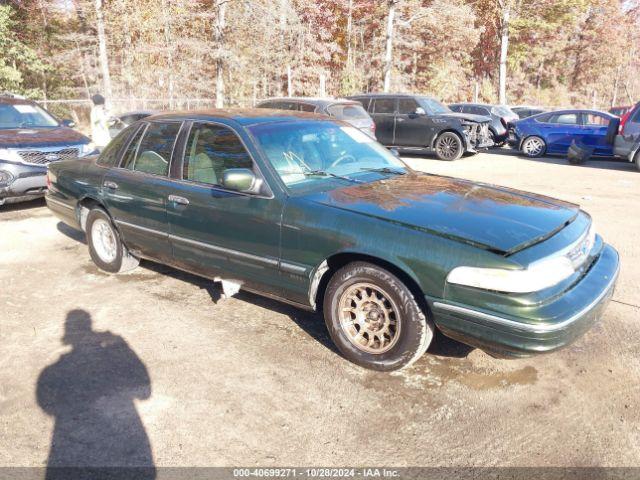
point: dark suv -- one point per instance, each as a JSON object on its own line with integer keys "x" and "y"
{"x": 418, "y": 123}
{"x": 30, "y": 139}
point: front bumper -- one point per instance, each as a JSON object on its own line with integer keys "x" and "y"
{"x": 543, "y": 328}
{"x": 26, "y": 182}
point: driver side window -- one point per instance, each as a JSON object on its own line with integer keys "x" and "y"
{"x": 212, "y": 149}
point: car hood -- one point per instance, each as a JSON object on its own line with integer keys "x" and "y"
{"x": 464, "y": 116}
{"x": 40, "y": 137}
{"x": 490, "y": 217}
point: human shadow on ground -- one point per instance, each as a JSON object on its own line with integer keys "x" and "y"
{"x": 90, "y": 392}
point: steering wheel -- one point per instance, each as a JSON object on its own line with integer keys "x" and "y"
{"x": 344, "y": 158}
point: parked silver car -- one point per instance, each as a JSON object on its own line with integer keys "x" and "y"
{"x": 349, "y": 111}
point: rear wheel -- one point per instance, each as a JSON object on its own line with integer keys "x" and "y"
{"x": 105, "y": 247}
{"x": 374, "y": 319}
{"x": 637, "y": 160}
{"x": 533, "y": 147}
{"x": 449, "y": 146}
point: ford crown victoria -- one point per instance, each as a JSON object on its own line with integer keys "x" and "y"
{"x": 313, "y": 212}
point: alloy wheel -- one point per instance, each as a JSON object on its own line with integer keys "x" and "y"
{"x": 369, "y": 318}
{"x": 533, "y": 147}
{"x": 448, "y": 147}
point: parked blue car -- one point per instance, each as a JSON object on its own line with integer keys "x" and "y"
{"x": 553, "y": 132}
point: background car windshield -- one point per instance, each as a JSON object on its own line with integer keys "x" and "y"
{"x": 432, "y": 106}
{"x": 25, "y": 116}
{"x": 503, "y": 111}
{"x": 306, "y": 153}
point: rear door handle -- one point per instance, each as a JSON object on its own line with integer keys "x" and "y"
{"x": 111, "y": 185}
{"x": 178, "y": 200}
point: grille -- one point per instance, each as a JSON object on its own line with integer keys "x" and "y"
{"x": 36, "y": 157}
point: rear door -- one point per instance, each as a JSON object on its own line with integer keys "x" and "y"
{"x": 216, "y": 231}
{"x": 135, "y": 192}
{"x": 594, "y": 133}
{"x": 383, "y": 112}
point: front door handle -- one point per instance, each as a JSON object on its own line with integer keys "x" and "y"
{"x": 111, "y": 185}
{"x": 178, "y": 200}
{"x": 400, "y": 119}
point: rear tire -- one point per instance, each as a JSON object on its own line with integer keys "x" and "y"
{"x": 533, "y": 147}
{"x": 449, "y": 147}
{"x": 637, "y": 160}
{"x": 105, "y": 246}
{"x": 373, "y": 318}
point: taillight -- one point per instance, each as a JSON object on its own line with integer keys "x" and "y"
{"x": 373, "y": 128}
{"x": 48, "y": 179}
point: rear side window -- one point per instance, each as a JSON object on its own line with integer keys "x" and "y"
{"x": 384, "y": 105}
{"x": 347, "y": 111}
{"x": 110, "y": 156}
{"x": 307, "y": 107}
{"x": 456, "y": 108}
{"x": 564, "y": 119}
{"x": 212, "y": 149}
{"x": 152, "y": 153}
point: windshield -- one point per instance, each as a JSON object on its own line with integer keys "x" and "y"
{"x": 306, "y": 154}
{"x": 25, "y": 116}
{"x": 433, "y": 106}
{"x": 503, "y": 111}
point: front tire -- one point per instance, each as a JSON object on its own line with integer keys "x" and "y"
{"x": 449, "y": 147}
{"x": 637, "y": 160}
{"x": 533, "y": 147}
{"x": 373, "y": 318}
{"x": 105, "y": 246}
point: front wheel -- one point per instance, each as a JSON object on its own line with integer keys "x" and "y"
{"x": 105, "y": 247}
{"x": 533, "y": 147}
{"x": 449, "y": 146}
{"x": 637, "y": 160}
{"x": 373, "y": 318}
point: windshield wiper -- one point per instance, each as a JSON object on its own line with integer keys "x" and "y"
{"x": 384, "y": 170}
{"x": 329, "y": 174}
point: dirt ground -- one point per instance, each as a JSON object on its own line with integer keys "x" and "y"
{"x": 153, "y": 368}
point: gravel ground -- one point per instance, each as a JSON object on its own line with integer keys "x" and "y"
{"x": 152, "y": 367}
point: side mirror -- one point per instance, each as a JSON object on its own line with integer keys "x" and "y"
{"x": 239, "y": 179}
{"x": 68, "y": 123}
{"x": 420, "y": 111}
{"x": 395, "y": 152}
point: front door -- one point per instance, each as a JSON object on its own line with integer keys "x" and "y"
{"x": 561, "y": 130}
{"x": 413, "y": 129}
{"x": 383, "y": 112}
{"x": 135, "y": 193}
{"x": 218, "y": 232}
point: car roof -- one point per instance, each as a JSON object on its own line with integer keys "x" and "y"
{"x": 403, "y": 95}
{"x": 321, "y": 102}
{"x": 139, "y": 112}
{"x": 11, "y": 100}
{"x": 579, "y": 110}
{"x": 243, "y": 116}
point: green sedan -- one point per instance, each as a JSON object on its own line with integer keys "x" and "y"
{"x": 313, "y": 212}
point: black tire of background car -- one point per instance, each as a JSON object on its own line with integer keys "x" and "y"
{"x": 612, "y": 130}
{"x": 449, "y": 137}
{"x": 579, "y": 153}
{"x": 416, "y": 332}
{"x": 637, "y": 159}
{"x": 124, "y": 261}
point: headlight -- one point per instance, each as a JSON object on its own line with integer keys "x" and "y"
{"x": 537, "y": 276}
{"x": 5, "y": 178}
{"x": 87, "y": 149}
